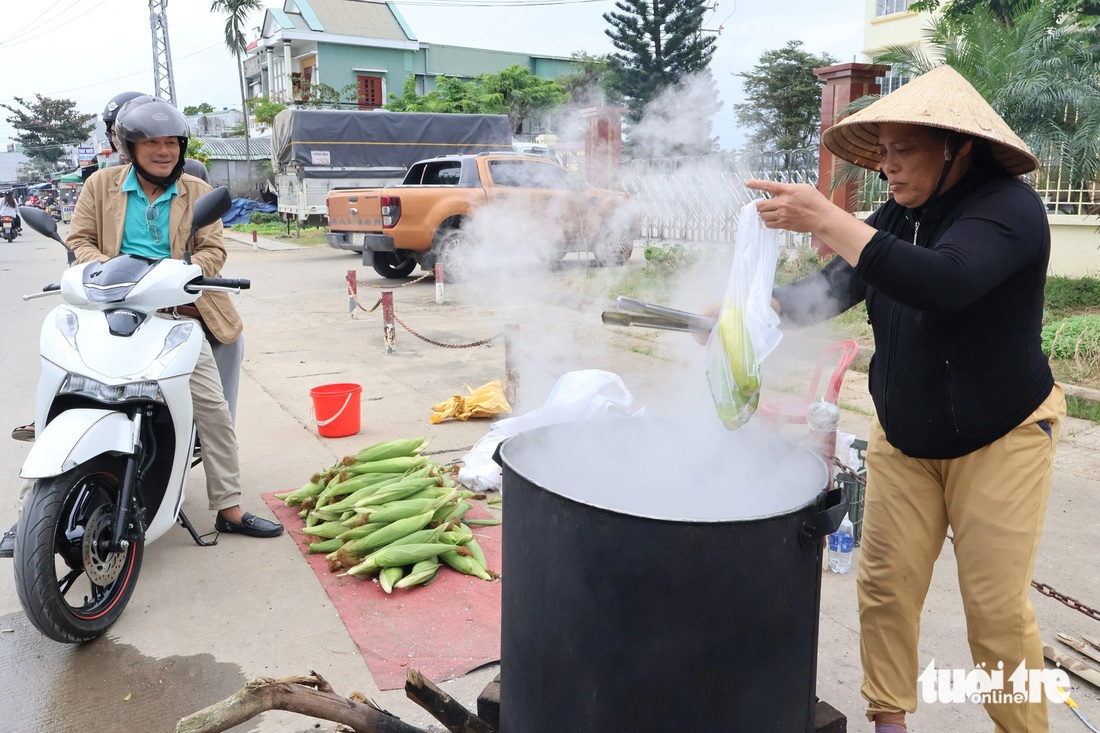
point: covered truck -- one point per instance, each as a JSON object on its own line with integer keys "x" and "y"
{"x": 316, "y": 151}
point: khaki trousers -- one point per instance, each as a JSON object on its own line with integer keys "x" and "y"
{"x": 219, "y": 441}
{"x": 995, "y": 501}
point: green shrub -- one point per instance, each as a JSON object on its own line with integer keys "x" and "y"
{"x": 1072, "y": 293}
{"x": 263, "y": 217}
{"x": 670, "y": 257}
{"x": 1074, "y": 338}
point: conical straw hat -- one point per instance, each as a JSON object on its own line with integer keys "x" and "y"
{"x": 938, "y": 98}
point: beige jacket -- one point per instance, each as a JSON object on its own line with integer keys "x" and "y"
{"x": 95, "y": 235}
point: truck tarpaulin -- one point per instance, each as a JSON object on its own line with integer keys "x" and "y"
{"x": 369, "y": 139}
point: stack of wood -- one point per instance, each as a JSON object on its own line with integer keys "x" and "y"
{"x": 1089, "y": 646}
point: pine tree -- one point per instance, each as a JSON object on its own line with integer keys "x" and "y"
{"x": 660, "y": 43}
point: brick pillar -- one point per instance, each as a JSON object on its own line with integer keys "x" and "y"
{"x": 843, "y": 84}
{"x": 603, "y": 145}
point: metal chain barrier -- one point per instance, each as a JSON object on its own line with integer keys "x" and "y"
{"x": 1073, "y": 603}
{"x": 482, "y": 342}
{"x": 372, "y": 309}
{"x": 394, "y": 287}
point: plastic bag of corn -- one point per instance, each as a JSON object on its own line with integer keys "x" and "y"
{"x": 748, "y": 328}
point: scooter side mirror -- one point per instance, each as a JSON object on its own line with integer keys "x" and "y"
{"x": 44, "y": 224}
{"x": 208, "y": 209}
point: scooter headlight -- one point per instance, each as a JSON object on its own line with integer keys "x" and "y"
{"x": 66, "y": 323}
{"x": 111, "y": 393}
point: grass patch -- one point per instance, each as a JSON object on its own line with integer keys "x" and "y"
{"x": 856, "y": 409}
{"x": 1083, "y": 409}
{"x": 1072, "y": 294}
{"x": 306, "y": 236}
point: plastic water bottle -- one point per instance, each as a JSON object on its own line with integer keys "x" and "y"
{"x": 840, "y": 547}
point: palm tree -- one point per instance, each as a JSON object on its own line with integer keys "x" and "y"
{"x": 237, "y": 12}
{"x": 1041, "y": 73}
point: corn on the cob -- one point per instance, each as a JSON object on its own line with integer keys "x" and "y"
{"x": 421, "y": 574}
{"x": 734, "y": 379}
{"x": 400, "y": 510}
{"x": 465, "y": 564}
{"x": 399, "y": 555}
{"x": 477, "y": 553}
{"x": 328, "y": 530}
{"x": 399, "y": 464}
{"x": 326, "y": 546}
{"x": 389, "y": 576}
{"x": 401, "y": 490}
{"x": 389, "y": 449}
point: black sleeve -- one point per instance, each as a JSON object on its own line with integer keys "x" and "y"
{"x": 1000, "y": 232}
{"x": 822, "y": 296}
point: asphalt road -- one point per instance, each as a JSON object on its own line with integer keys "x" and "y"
{"x": 202, "y": 621}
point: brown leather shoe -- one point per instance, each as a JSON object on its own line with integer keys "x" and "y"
{"x": 250, "y": 525}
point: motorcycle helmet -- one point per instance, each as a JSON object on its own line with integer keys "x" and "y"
{"x": 111, "y": 111}
{"x": 146, "y": 117}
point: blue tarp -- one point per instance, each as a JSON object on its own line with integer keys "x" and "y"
{"x": 241, "y": 209}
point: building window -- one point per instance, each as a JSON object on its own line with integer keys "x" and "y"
{"x": 889, "y": 7}
{"x": 370, "y": 92}
{"x": 892, "y": 82}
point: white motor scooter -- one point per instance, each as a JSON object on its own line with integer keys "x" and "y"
{"x": 115, "y": 430}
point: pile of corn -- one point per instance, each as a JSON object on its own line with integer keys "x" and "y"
{"x": 392, "y": 512}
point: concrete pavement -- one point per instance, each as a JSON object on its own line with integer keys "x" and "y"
{"x": 202, "y": 621}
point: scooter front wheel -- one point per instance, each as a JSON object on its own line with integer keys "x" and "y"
{"x": 71, "y": 585}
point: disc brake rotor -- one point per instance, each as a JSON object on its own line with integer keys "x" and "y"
{"x": 101, "y": 565}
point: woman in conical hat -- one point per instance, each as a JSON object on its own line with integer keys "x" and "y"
{"x": 952, "y": 270}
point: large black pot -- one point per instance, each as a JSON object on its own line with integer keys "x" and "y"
{"x": 660, "y": 577}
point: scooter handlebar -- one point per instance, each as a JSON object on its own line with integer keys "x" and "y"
{"x": 218, "y": 283}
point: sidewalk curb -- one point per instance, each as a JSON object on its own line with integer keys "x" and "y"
{"x": 264, "y": 243}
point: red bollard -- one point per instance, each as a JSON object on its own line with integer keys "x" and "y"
{"x": 353, "y": 292}
{"x": 388, "y": 321}
{"x": 439, "y": 283}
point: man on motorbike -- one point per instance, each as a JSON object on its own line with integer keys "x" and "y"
{"x": 228, "y": 356}
{"x": 152, "y": 199}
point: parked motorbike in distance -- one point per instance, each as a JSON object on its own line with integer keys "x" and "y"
{"x": 7, "y": 228}
{"x": 116, "y": 432}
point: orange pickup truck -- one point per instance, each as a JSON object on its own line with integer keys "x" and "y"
{"x": 460, "y": 209}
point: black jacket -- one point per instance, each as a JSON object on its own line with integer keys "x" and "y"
{"x": 957, "y": 317}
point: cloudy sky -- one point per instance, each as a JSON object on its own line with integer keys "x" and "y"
{"x": 89, "y": 50}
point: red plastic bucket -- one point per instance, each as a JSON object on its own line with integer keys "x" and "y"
{"x": 335, "y": 409}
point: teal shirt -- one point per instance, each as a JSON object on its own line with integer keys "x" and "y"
{"x": 140, "y": 236}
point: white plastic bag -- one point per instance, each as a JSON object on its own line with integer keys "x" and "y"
{"x": 576, "y": 395}
{"x": 748, "y": 327}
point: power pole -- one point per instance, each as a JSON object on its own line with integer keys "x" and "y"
{"x": 163, "y": 79}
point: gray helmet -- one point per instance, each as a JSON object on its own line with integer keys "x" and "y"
{"x": 146, "y": 117}
{"x": 111, "y": 110}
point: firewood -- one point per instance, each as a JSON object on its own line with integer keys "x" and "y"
{"x": 310, "y": 695}
{"x": 442, "y": 706}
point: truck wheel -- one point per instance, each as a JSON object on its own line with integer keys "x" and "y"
{"x": 393, "y": 265}
{"x": 457, "y": 252}
{"x": 613, "y": 247}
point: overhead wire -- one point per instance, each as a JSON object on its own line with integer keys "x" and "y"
{"x": 31, "y": 23}
{"x": 55, "y": 27}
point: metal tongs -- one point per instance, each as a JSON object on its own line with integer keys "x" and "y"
{"x": 634, "y": 312}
